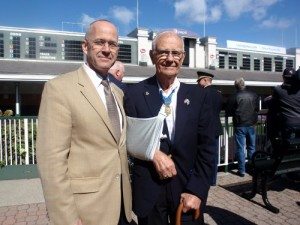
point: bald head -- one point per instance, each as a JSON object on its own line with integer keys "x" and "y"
{"x": 100, "y": 46}
{"x": 99, "y": 23}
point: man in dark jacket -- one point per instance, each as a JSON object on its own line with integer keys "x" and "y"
{"x": 181, "y": 168}
{"x": 284, "y": 110}
{"x": 243, "y": 107}
{"x": 204, "y": 81}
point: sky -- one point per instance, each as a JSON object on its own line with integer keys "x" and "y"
{"x": 268, "y": 22}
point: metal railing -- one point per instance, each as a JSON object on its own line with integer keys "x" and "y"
{"x": 17, "y": 140}
{"x": 18, "y": 136}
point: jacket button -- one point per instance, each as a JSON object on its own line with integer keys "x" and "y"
{"x": 117, "y": 177}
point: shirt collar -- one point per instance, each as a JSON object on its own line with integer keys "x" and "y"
{"x": 175, "y": 86}
{"x": 96, "y": 78}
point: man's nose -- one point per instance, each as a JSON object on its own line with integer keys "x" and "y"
{"x": 170, "y": 56}
{"x": 105, "y": 47}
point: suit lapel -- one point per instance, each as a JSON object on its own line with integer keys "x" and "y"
{"x": 183, "y": 106}
{"x": 90, "y": 93}
{"x": 152, "y": 97}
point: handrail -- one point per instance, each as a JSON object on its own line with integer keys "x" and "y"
{"x": 18, "y": 139}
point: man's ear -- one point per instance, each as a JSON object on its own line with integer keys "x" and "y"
{"x": 84, "y": 46}
{"x": 151, "y": 53}
{"x": 182, "y": 58}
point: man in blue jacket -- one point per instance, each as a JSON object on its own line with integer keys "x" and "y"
{"x": 181, "y": 168}
{"x": 205, "y": 81}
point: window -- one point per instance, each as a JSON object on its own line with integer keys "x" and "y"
{"x": 256, "y": 64}
{"x": 278, "y": 64}
{"x": 31, "y": 48}
{"x": 1, "y": 45}
{"x": 50, "y": 45}
{"x": 246, "y": 62}
{"x": 232, "y": 61}
{"x": 223, "y": 53}
{"x": 267, "y": 64}
{"x": 221, "y": 61}
{"x": 16, "y": 47}
{"x": 125, "y": 53}
{"x": 289, "y": 63}
{"x": 73, "y": 50}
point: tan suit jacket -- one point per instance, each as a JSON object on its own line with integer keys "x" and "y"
{"x": 83, "y": 168}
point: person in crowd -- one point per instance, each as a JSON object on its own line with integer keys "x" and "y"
{"x": 181, "y": 168}
{"x": 81, "y": 150}
{"x": 243, "y": 106}
{"x": 205, "y": 80}
{"x": 117, "y": 70}
{"x": 284, "y": 107}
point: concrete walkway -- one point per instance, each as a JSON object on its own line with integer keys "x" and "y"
{"x": 22, "y": 203}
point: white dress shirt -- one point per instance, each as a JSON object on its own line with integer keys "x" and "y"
{"x": 170, "y": 119}
{"x": 96, "y": 80}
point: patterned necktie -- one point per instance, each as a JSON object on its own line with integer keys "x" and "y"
{"x": 112, "y": 109}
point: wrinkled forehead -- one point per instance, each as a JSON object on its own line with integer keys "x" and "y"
{"x": 169, "y": 40}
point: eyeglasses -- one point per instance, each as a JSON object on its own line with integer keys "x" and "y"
{"x": 163, "y": 54}
{"x": 100, "y": 43}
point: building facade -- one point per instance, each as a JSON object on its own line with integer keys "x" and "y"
{"x": 29, "y": 57}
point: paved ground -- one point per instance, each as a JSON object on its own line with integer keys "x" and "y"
{"x": 22, "y": 203}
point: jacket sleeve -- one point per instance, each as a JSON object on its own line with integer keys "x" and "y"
{"x": 230, "y": 106}
{"x": 53, "y": 146}
{"x": 199, "y": 182}
{"x": 273, "y": 121}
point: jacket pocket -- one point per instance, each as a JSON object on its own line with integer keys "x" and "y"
{"x": 85, "y": 185}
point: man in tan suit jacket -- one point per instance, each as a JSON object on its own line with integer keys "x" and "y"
{"x": 82, "y": 161}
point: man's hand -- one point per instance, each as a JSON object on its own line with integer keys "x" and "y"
{"x": 190, "y": 202}
{"x": 78, "y": 222}
{"x": 164, "y": 165}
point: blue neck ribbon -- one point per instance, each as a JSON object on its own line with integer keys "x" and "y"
{"x": 167, "y": 100}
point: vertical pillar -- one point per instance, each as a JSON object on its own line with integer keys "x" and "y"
{"x": 17, "y": 99}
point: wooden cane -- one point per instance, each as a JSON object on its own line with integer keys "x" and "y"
{"x": 179, "y": 213}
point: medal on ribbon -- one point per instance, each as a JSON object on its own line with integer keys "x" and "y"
{"x": 167, "y": 102}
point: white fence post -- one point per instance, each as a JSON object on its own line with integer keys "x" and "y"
{"x": 26, "y": 141}
{"x": 5, "y": 144}
{"x": 32, "y": 141}
{"x": 15, "y": 143}
{"x": 20, "y": 138}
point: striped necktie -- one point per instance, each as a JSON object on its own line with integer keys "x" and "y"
{"x": 112, "y": 109}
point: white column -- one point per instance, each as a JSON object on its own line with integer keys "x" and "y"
{"x": 17, "y": 99}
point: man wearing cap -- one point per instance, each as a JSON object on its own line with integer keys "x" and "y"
{"x": 284, "y": 110}
{"x": 204, "y": 80}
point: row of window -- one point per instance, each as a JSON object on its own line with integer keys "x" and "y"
{"x": 246, "y": 62}
{"x": 71, "y": 49}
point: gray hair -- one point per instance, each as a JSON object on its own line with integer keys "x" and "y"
{"x": 239, "y": 83}
{"x": 168, "y": 33}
